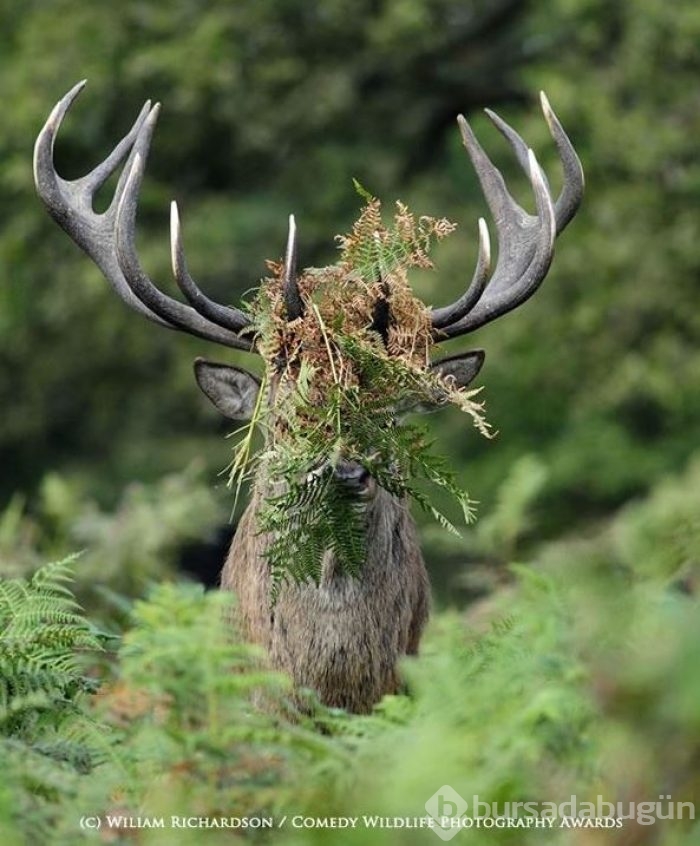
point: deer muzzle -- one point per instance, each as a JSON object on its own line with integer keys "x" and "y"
{"x": 355, "y": 479}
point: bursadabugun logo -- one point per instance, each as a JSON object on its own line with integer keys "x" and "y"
{"x": 444, "y": 806}
{"x": 448, "y": 813}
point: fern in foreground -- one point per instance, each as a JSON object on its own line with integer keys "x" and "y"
{"x": 45, "y": 644}
{"x": 48, "y": 737}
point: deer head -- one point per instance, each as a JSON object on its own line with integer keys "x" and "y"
{"x": 361, "y": 628}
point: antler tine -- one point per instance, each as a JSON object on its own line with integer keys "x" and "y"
{"x": 50, "y": 185}
{"x": 525, "y": 241}
{"x": 174, "y": 312}
{"x": 225, "y": 316}
{"x": 447, "y": 315}
{"x": 70, "y": 203}
{"x": 514, "y": 226}
{"x": 292, "y": 298}
{"x": 513, "y": 291}
{"x": 571, "y": 194}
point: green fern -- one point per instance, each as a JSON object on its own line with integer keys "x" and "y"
{"x": 305, "y": 521}
{"x": 45, "y": 642}
{"x": 374, "y": 250}
{"x": 338, "y": 389}
{"x": 312, "y": 515}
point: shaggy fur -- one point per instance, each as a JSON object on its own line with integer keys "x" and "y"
{"x": 344, "y": 637}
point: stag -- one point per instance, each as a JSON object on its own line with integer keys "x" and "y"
{"x": 343, "y": 637}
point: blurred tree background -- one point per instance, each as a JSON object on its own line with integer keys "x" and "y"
{"x": 274, "y": 107}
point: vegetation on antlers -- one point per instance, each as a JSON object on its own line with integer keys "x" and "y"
{"x": 336, "y": 379}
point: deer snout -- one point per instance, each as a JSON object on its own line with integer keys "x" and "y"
{"x": 355, "y": 478}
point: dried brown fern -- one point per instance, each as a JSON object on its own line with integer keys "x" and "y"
{"x": 337, "y": 382}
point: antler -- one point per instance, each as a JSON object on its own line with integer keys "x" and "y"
{"x": 526, "y": 242}
{"x": 292, "y": 298}
{"x": 109, "y": 238}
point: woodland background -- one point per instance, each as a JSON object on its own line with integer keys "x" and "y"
{"x": 107, "y": 445}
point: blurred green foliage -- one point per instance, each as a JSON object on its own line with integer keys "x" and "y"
{"x": 126, "y": 549}
{"x": 580, "y": 680}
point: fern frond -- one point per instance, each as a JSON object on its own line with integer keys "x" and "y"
{"x": 337, "y": 388}
{"x": 44, "y": 641}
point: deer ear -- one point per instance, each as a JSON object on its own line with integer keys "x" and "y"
{"x": 462, "y": 368}
{"x": 234, "y": 392}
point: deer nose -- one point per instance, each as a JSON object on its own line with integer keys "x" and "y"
{"x": 352, "y": 475}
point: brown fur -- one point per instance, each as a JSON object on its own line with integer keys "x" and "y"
{"x": 344, "y": 637}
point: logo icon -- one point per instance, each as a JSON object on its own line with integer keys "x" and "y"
{"x": 444, "y": 806}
